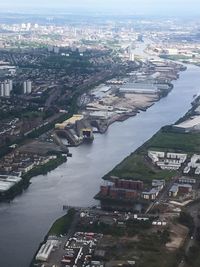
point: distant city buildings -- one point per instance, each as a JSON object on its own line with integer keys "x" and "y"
{"x": 27, "y": 87}
{"x": 5, "y": 88}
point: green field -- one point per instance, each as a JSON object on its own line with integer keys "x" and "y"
{"x": 175, "y": 142}
{"x": 138, "y": 166}
{"x": 62, "y": 225}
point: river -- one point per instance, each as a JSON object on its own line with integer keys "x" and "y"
{"x": 25, "y": 221}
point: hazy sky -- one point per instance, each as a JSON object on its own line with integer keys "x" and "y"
{"x": 167, "y": 7}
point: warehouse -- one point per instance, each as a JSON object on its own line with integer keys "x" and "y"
{"x": 7, "y": 182}
{"x": 44, "y": 252}
{"x": 71, "y": 121}
{"x": 192, "y": 124}
{"x": 139, "y": 88}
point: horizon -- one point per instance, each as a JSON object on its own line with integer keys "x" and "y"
{"x": 126, "y": 7}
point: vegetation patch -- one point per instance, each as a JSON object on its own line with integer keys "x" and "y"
{"x": 62, "y": 225}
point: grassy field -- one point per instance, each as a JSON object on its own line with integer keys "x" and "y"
{"x": 62, "y": 225}
{"x": 176, "y": 142}
{"x": 138, "y": 166}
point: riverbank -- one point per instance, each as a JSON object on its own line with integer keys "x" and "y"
{"x": 44, "y": 169}
{"x": 166, "y": 139}
{"x": 120, "y": 99}
{"x": 59, "y": 228}
{"x": 133, "y": 180}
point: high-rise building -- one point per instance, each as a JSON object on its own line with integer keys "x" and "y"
{"x": 2, "y": 90}
{"x": 27, "y": 87}
{"x": 6, "y": 89}
{"x": 10, "y": 84}
{"x": 24, "y": 87}
{"x": 131, "y": 53}
{"x": 131, "y": 56}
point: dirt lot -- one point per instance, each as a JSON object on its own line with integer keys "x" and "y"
{"x": 132, "y": 101}
{"x": 177, "y": 236}
{"x": 40, "y": 148}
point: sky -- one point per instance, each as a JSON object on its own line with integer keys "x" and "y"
{"x": 153, "y": 7}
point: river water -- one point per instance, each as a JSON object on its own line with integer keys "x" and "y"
{"x": 25, "y": 221}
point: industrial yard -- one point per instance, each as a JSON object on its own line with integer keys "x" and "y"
{"x": 91, "y": 237}
{"x": 118, "y": 99}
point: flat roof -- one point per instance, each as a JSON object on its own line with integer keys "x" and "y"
{"x": 6, "y": 182}
{"x": 189, "y": 123}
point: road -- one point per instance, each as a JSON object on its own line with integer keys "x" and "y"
{"x": 163, "y": 196}
{"x": 194, "y": 211}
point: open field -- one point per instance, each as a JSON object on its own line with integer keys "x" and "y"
{"x": 175, "y": 142}
{"x": 146, "y": 250}
{"x": 62, "y": 225}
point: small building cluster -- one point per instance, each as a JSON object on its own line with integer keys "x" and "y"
{"x": 130, "y": 189}
{"x": 78, "y": 250}
{"x": 168, "y": 161}
{"x": 182, "y": 186}
{"x": 157, "y": 186}
{"x": 193, "y": 165}
{"x": 21, "y": 163}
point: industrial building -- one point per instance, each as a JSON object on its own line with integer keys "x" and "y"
{"x": 70, "y": 122}
{"x": 76, "y": 130}
{"x": 192, "y": 124}
{"x": 139, "y": 88}
{"x": 46, "y": 250}
{"x": 7, "y": 182}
